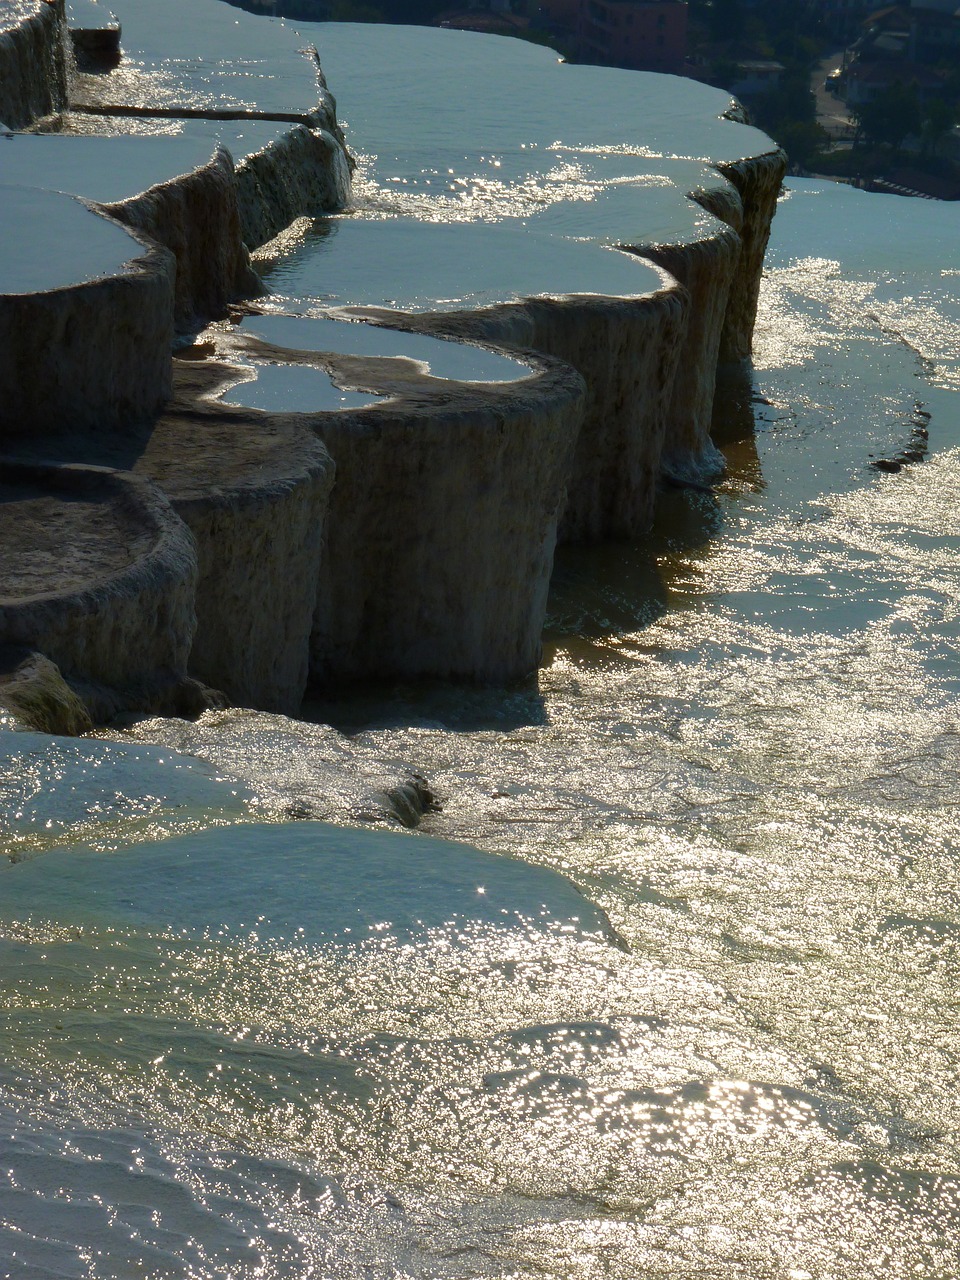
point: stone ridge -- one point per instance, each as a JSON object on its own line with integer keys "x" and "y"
{"x": 266, "y": 551}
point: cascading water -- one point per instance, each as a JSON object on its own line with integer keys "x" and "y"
{"x": 687, "y": 1008}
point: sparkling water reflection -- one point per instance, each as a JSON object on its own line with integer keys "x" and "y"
{"x": 743, "y": 748}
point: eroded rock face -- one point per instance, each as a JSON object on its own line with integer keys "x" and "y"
{"x": 196, "y": 217}
{"x": 88, "y": 355}
{"x": 33, "y": 78}
{"x": 119, "y": 609}
{"x": 706, "y": 269}
{"x": 303, "y": 174}
{"x": 758, "y": 180}
{"x": 254, "y": 492}
{"x": 441, "y": 536}
{"x": 627, "y": 352}
{"x": 432, "y": 552}
{"x": 442, "y": 521}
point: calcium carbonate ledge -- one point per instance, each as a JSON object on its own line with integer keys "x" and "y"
{"x": 707, "y": 269}
{"x": 206, "y": 215}
{"x": 443, "y": 518}
{"x": 33, "y": 78}
{"x": 184, "y": 193}
{"x": 119, "y": 609}
{"x": 252, "y": 494}
{"x": 86, "y": 318}
{"x": 255, "y": 492}
{"x": 197, "y": 217}
{"x": 757, "y": 180}
{"x": 627, "y": 351}
{"x": 447, "y": 503}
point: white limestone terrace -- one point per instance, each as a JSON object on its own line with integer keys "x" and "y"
{"x": 94, "y": 32}
{"x": 33, "y": 77}
{"x": 411, "y": 265}
{"x": 191, "y": 57}
{"x": 493, "y": 181}
{"x": 490, "y": 173}
{"x": 285, "y": 387}
{"x": 130, "y": 560}
{"x": 51, "y": 242}
{"x": 482, "y": 127}
{"x": 111, "y": 169}
{"x": 184, "y": 190}
{"x": 86, "y": 317}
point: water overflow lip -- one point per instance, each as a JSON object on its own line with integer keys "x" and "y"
{"x": 49, "y": 241}
{"x": 759, "y": 788}
{"x": 456, "y": 361}
{"x": 290, "y": 388}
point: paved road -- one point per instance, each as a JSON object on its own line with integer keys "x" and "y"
{"x": 831, "y": 111}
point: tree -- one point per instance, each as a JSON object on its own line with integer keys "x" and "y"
{"x": 802, "y": 140}
{"x": 890, "y": 116}
{"x": 939, "y": 117}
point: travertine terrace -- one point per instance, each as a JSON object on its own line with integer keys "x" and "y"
{"x": 193, "y": 508}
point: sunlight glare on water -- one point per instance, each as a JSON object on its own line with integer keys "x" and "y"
{"x": 702, "y": 1020}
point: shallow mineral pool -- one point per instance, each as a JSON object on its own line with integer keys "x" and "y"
{"x": 683, "y": 1000}
{"x": 743, "y": 749}
{"x": 457, "y": 361}
{"x": 50, "y": 241}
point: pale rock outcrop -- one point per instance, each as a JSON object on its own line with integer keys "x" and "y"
{"x": 758, "y": 180}
{"x": 249, "y": 493}
{"x": 196, "y": 217}
{"x": 33, "y": 77}
{"x": 120, "y": 608}
{"x": 88, "y": 355}
{"x": 628, "y": 351}
{"x": 432, "y": 553}
{"x": 302, "y": 174}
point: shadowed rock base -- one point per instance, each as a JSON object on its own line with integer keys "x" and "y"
{"x": 33, "y": 78}
{"x": 119, "y": 610}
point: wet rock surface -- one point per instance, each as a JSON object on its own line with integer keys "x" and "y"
{"x": 414, "y": 535}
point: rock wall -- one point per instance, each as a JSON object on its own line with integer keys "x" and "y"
{"x": 121, "y": 609}
{"x": 33, "y": 76}
{"x": 90, "y": 356}
{"x": 707, "y": 270}
{"x": 758, "y": 181}
{"x": 441, "y": 531}
{"x": 304, "y": 173}
{"x": 627, "y": 351}
{"x": 254, "y": 492}
{"x": 196, "y": 217}
{"x": 431, "y": 553}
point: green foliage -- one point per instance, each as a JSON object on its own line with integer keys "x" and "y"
{"x": 803, "y": 141}
{"x": 890, "y": 117}
{"x": 939, "y": 117}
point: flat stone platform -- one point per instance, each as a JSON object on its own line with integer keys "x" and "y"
{"x": 186, "y": 57}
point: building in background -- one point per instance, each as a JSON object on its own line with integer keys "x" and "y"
{"x": 646, "y": 35}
